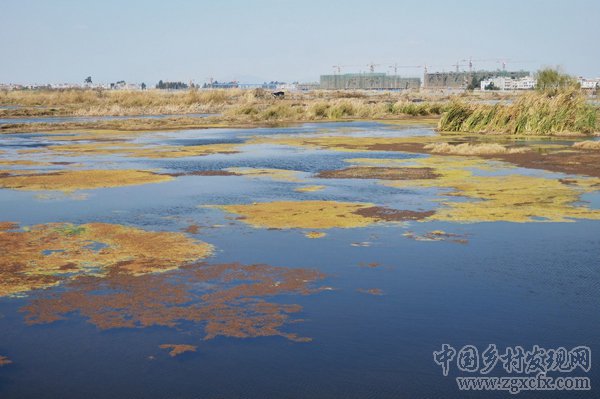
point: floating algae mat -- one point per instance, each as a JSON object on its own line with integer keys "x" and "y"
{"x": 42, "y": 256}
{"x": 71, "y": 180}
{"x": 317, "y": 214}
{"x": 508, "y": 197}
{"x": 315, "y": 260}
{"x": 231, "y": 301}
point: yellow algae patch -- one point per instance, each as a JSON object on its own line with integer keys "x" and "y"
{"x": 309, "y": 189}
{"x": 22, "y": 162}
{"x": 318, "y": 214}
{"x": 138, "y": 151}
{"x": 178, "y": 349}
{"x": 473, "y": 149}
{"x": 302, "y": 214}
{"x": 273, "y": 174}
{"x": 96, "y": 148}
{"x": 510, "y": 198}
{"x": 315, "y": 234}
{"x": 349, "y": 143}
{"x": 183, "y": 151}
{"x": 71, "y": 180}
{"x": 44, "y": 255}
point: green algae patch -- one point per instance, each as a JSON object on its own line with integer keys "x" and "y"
{"x": 379, "y": 173}
{"x": 436, "y": 235}
{"x": 268, "y": 173}
{"x": 317, "y": 214}
{"x": 46, "y": 255}
{"x": 230, "y": 300}
{"x": 71, "y": 180}
{"x": 508, "y": 197}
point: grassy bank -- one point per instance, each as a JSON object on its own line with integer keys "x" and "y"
{"x": 234, "y": 108}
{"x": 256, "y": 103}
{"x": 533, "y": 113}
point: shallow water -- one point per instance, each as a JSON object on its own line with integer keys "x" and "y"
{"x": 63, "y": 119}
{"x": 508, "y": 284}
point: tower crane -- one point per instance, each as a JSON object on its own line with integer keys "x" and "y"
{"x": 372, "y": 66}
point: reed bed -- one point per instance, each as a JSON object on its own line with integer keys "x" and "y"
{"x": 533, "y": 114}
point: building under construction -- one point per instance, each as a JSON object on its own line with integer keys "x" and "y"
{"x": 466, "y": 80}
{"x": 368, "y": 81}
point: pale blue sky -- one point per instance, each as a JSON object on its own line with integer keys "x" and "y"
{"x": 66, "y": 40}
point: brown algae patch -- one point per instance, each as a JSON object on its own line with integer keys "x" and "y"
{"x": 178, "y": 349}
{"x": 316, "y": 214}
{"x": 5, "y": 226}
{"x": 45, "y": 255}
{"x": 309, "y": 189}
{"x": 4, "y": 361}
{"x": 192, "y": 229}
{"x": 509, "y": 197}
{"x": 377, "y": 172}
{"x": 70, "y": 180}
{"x": 370, "y": 265}
{"x": 587, "y": 145}
{"x": 221, "y": 300}
{"x": 371, "y": 291}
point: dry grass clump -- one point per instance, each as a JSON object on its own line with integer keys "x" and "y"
{"x": 535, "y": 113}
{"x": 121, "y": 102}
{"x": 587, "y": 145}
{"x": 329, "y": 109}
{"x": 473, "y": 149}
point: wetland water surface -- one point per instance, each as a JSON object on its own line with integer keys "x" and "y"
{"x": 280, "y": 263}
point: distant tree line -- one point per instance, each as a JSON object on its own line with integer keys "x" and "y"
{"x": 171, "y": 85}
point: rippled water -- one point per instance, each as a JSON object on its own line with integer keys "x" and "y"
{"x": 510, "y": 284}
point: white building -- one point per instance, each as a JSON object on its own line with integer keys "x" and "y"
{"x": 590, "y": 84}
{"x": 506, "y": 83}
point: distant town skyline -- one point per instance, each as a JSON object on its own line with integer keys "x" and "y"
{"x": 264, "y": 40}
